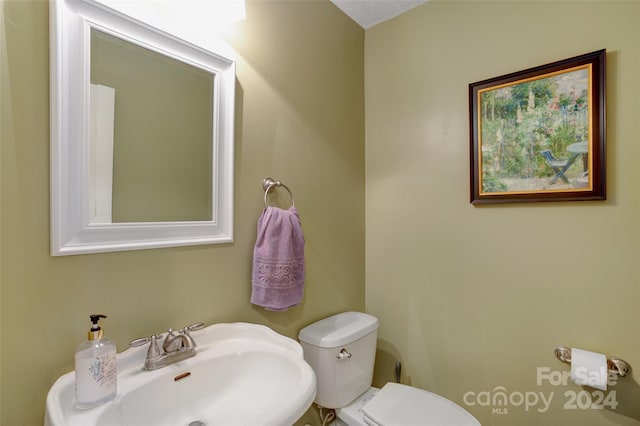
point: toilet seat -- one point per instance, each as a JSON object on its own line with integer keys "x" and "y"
{"x": 401, "y": 405}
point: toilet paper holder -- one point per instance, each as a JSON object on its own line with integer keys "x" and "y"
{"x": 615, "y": 366}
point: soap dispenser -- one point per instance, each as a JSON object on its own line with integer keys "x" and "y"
{"x": 95, "y": 368}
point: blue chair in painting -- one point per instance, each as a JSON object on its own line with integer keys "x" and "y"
{"x": 557, "y": 165}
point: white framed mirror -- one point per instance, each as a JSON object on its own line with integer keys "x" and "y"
{"x": 141, "y": 135}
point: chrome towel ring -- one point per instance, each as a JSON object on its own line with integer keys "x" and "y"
{"x": 268, "y": 184}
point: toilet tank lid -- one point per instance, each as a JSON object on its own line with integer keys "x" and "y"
{"x": 338, "y": 330}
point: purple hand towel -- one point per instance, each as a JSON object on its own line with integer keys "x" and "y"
{"x": 278, "y": 260}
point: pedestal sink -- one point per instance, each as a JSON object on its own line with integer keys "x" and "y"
{"x": 242, "y": 374}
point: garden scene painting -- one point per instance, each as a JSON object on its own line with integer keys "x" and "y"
{"x": 534, "y": 134}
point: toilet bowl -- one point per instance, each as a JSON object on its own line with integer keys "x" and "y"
{"x": 341, "y": 351}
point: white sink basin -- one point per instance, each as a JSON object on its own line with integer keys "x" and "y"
{"x": 242, "y": 374}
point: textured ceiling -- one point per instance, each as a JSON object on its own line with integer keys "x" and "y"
{"x": 368, "y": 13}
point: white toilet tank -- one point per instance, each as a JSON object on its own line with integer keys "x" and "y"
{"x": 341, "y": 349}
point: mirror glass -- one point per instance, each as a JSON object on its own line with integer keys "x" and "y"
{"x": 141, "y": 135}
{"x": 162, "y": 120}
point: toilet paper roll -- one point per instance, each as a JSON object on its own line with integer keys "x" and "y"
{"x": 589, "y": 369}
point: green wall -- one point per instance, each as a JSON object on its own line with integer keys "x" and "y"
{"x": 469, "y": 298}
{"x": 299, "y": 119}
{"x": 475, "y": 299}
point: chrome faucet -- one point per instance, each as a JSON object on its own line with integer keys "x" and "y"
{"x": 175, "y": 347}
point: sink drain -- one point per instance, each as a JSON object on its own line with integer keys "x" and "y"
{"x": 197, "y": 423}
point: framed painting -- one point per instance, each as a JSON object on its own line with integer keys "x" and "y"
{"x": 539, "y": 134}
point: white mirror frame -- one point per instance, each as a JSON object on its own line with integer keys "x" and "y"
{"x": 71, "y": 230}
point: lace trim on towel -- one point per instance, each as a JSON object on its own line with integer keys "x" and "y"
{"x": 278, "y": 275}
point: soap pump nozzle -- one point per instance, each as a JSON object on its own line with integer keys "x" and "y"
{"x": 96, "y": 332}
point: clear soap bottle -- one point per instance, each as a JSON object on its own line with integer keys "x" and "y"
{"x": 95, "y": 368}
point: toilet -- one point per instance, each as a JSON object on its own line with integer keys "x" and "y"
{"x": 341, "y": 350}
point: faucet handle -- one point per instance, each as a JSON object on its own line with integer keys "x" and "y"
{"x": 185, "y": 331}
{"x": 153, "y": 351}
{"x": 143, "y": 340}
{"x": 193, "y": 327}
{"x": 139, "y": 342}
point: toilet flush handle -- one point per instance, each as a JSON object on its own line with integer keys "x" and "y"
{"x": 343, "y": 354}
